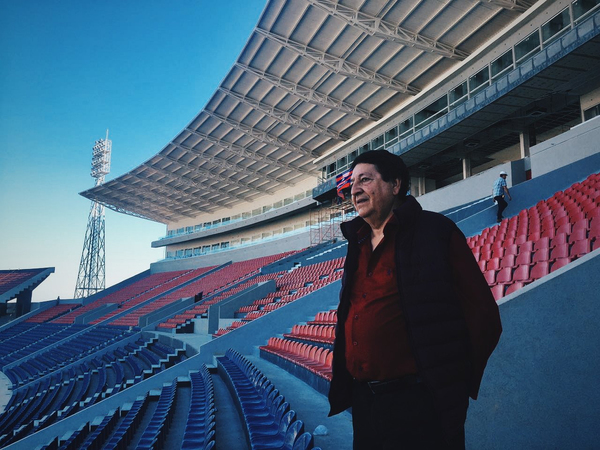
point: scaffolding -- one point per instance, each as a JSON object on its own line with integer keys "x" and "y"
{"x": 92, "y": 268}
{"x": 325, "y": 220}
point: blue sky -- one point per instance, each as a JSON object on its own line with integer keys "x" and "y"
{"x": 69, "y": 71}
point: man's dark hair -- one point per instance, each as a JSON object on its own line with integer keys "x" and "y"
{"x": 389, "y": 166}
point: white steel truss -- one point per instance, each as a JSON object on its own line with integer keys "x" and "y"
{"x": 375, "y": 26}
{"x": 260, "y": 135}
{"x": 339, "y": 65}
{"x": 310, "y": 95}
{"x": 285, "y": 116}
{"x": 513, "y": 5}
{"x": 247, "y": 153}
{"x": 182, "y": 179}
{"x": 222, "y": 164}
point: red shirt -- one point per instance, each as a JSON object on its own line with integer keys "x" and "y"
{"x": 379, "y": 352}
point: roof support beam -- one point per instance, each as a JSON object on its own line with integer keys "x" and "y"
{"x": 149, "y": 209}
{"x": 383, "y": 29}
{"x": 224, "y": 164}
{"x": 198, "y": 185}
{"x": 513, "y": 5}
{"x": 146, "y": 190}
{"x": 286, "y": 117}
{"x": 246, "y": 153}
{"x": 310, "y": 95}
{"x": 339, "y": 65}
{"x": 171, "y": 190}
{"x": 209, "y": 174}
{"x": 259, "y": 135}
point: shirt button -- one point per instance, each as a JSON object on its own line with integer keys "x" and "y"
{"x": 356, "y": 317}
{"x": 364, "y": 296}
{"x": 370, "y": 274}
{"x": 355, "y": 343}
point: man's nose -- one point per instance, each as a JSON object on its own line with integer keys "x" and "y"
{"x": 354, "y": 188}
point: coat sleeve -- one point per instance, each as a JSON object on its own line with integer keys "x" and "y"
{"x": 480, "y": 309}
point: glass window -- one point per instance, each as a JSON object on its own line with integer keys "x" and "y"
{"x": 224, "y": 244}
{"x": 179, "y": 230}
{"x": 207, "y": 224}
{"x": 331, "y": 169}
{"x": 591, "y": 113}
{"x": 246, "y": 215}
{"x": 406, "y": 126}
{"x": 527, "y": 46}
{"x": 179, "y": 254}
{"x": 197, "y": 227}
{"x": 502, "y": 65}
{"x": 214, "y": 247}
{"x": 256, "y": 212}
{"x": 377, "y": 142}
{"x": 225, "y": 219}
{"x": 363, "y": 148}
{"x": 479, "y": 81}
{"x": 188, "y": 252}
{"x": 555, "y": 26}
{"x": 582, "y": 7}
{"x": 352, "y": 156}
{"x": 287, "y": 201}
{"x": 341, "y": 163}
{"x": 431, "y": 112}
{"x": 391, "y": 134}
{"x": 458, "y": 95}
{"x": 205, "y": 248}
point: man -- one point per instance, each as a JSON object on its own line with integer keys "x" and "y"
{"x": 416, "y": 321}
{"x": 500, "y": 188}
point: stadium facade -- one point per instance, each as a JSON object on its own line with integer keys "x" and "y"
{"x": 478, "y": 86}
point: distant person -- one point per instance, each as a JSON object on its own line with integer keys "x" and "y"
{"x": 500, "y": 188}
{"x": 416, "y": 320}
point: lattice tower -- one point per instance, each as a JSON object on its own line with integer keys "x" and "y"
{"x": 92, "y": 268}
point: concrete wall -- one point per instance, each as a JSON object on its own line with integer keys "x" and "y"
{"x": 540, "y": 389}
{"x": 576, "y": 144}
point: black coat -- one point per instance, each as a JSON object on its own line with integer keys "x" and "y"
{"x": 438, "y": 332}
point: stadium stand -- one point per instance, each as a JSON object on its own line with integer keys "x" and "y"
{"x": 140, "y": 366}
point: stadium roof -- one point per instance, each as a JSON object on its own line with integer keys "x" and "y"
{"x": 313, "y": 74}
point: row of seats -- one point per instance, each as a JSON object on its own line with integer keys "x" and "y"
{"x": 290, "y": 286}
{"x": 69, "y": 350}
{"x": 270, "y": 423}
{"x": 213, "y": 283}
{"x": 62, "y": 393}
{"x": 10, "y": 279}
{"x": 139, "y": 291}
{"x": 541, "y": 239}
{"x": 145, "y": 423}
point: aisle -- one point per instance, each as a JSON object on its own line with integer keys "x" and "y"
{"x": 5, "y": 391}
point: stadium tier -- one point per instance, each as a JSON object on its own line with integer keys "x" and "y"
{"x": 227, "y": 341}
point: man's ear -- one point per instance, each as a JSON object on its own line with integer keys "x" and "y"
{"x": 396, "y": 185}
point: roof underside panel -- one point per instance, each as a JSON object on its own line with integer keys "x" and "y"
{"x": 313, "y": 74}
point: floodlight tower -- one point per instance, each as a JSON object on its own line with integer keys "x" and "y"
{"x": 90, "y": 278}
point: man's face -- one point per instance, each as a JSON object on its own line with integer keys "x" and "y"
{"x": 372, "y": 197}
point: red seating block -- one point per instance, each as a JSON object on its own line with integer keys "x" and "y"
{"x": 580, "y": 248}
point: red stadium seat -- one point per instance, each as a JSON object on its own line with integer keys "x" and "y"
{"x": 521, "y": 273}
{"x": 580, "y": 248}
{"x": 560, "y": 262}
{"x": 523, "y": 258}
{"x": 498, "y": 291}
{"x": 504, "y": 276}
{"x": 514, "y": 287}
{"x": 508, "y": 261}
{"x": 539, "y": 270}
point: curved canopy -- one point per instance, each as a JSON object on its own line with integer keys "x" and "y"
{"x": 313, "y": 73}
